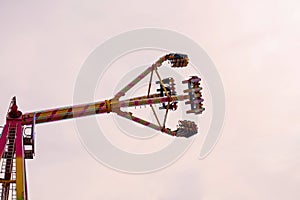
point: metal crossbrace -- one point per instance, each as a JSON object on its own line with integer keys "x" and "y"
{"x": 150, "y": 82}
{"x": 148, "y": 93}
{"x": 155, "y": 115}
{"x": 161, "y": 82}
{"x": 166, "y": 114}
{"x": 168, "y": 95}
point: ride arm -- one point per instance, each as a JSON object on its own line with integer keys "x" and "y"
{"x": 66, "y": 112}
{"x": 82, "y": 110}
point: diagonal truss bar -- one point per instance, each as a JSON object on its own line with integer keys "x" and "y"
{"x": 155, "y": 115}
{"x": 150, "y": 82}
{"x": 166, "y": 114}
{"x": 157, "y": 64}
{"x": 145, "y": 123}
{"x": 160, "y": 80}
{"x": 133, "y": 83}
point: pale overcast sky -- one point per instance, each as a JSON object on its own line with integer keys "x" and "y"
{"x": 255, "y": 46}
